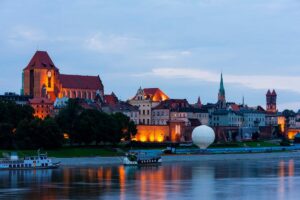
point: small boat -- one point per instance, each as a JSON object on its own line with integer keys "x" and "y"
{"x": 142, "y": 158}
{"x": 40, "y": 161}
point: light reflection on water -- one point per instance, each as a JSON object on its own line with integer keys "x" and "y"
{"x": 261, "y": 179}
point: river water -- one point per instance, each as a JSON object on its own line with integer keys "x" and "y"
{"x": 239, "y": 179}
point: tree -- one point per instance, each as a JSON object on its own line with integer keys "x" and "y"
{"x": 86, "y": 126}
{"x": 51, "y": 134}
{"x": 6, "y": 135}
{"x": 37, "y": 133}
{"x": 255, "y": 136}
{"x": 125, "y": 126}
{"x": 68, "y": 117}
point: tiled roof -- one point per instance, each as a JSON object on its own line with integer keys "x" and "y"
{"x": 41, "y": 59}
{"x": 80, "y": 82}
{"x": 40, "y": 100}
{"x": 111, "y": 99}
{"x": 155, "y": 94}
{"x": 173, "y": 104}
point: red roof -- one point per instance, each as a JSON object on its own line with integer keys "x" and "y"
{"x": 235, "y": 107}
{"x": 41, "y": 59}
{"x": 80, "y": 82}
{"x": 173, "y": 104}
{"x": 269, "y": 92}
{"x": 40, "y": 100}
{"x": 155, "y": 94}
{"x": 274, "y": 93}
{"x": 111, "y": 99}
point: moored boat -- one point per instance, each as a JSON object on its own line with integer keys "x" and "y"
{"x": 40, "y": 161}
{"x": 142, "y": 158}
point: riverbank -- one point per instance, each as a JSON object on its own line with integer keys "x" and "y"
{"x": 100, "y": 161}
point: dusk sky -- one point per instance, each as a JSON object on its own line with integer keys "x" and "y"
{"x": 180, "y": 46}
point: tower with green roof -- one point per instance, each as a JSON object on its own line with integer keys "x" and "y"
{"x": 221, "y": 95}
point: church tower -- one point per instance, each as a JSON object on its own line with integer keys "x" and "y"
{"x": 271, "y": 99}
{"x": 41, "y": 77}
{"x": 221, "y": 95}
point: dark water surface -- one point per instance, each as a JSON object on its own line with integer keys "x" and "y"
{"x": 261, "y": 179}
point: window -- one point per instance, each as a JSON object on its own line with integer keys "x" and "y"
{"x": 49, "y": 82}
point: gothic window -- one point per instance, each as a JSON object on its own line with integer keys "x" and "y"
{"x": 49, "y": 82}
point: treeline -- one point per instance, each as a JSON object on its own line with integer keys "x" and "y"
{"x": 20, "y": 130}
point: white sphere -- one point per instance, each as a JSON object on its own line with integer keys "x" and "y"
{"x": 203, "y": 136}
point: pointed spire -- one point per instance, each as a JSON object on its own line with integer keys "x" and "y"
{"x": 199, "y": 103}
{"x": 222, "y": 90}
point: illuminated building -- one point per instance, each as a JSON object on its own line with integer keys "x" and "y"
{"x": 43, "y": 107}
{"x": 43, "y": 79}
{"x": 175, "y": 131}
{"x": 145, "y": 99}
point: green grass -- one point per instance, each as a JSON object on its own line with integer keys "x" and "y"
{"x": 245, "y": 144}
{"x": 68, "y": 152}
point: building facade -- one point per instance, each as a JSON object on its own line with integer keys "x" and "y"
{"x": 43, "y": 107}
{"x": 145, "y": 99}
{"x": 42, "y": 79}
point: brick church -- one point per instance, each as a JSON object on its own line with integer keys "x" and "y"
{"x": 41, "y": 78}
{"x": 44, "y": 83}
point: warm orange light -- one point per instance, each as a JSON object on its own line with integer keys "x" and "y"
{"x": 160, "y": 138}
{"x": 66, "y": 136}
{"x": 151, "y": 133}
{"x": 151, "y": 137}
{"x": 143, "y": 138}
{"x": 281, "y": 122}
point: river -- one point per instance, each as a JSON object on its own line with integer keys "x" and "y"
{"x": 234, "y": 179}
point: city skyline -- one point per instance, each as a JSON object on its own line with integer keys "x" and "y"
{"x": 181, "y": 52}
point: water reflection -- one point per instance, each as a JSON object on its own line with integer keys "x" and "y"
{"x": 251, "y": 179}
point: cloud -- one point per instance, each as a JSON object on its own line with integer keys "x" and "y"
{"x": 24, "y": 33}
{"x": 111, "y": 43}
{"x": 289, "y": 105}
{"x": 290, "y": 83}
{"x": 169, "y": 55}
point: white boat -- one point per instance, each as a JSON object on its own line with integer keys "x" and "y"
{"x": 142, "y": 158}
{"x": 41, "y": 161}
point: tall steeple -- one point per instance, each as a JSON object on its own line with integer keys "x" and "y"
{"x": 221, "y": 94}
{"x": 222, "y": 90}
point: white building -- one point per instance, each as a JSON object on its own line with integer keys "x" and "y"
{"x": 146, "y": 99}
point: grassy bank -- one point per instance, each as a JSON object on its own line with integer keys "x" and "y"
{"x": 68, "y": 152}
{"x": 91, "y": 151}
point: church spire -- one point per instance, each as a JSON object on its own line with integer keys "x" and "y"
{"x": 221, "y": 94}
{"x": 222, "y": 90}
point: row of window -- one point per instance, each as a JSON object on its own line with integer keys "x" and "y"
{"x": 144, "y": 112}
{"x": 143, "y": 121}
{"x": 79, "y": 94}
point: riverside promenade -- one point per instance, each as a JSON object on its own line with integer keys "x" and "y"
{"x": 101, "y": 161}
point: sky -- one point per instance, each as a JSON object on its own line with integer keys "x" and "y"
{"x": 180, "y": 46}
